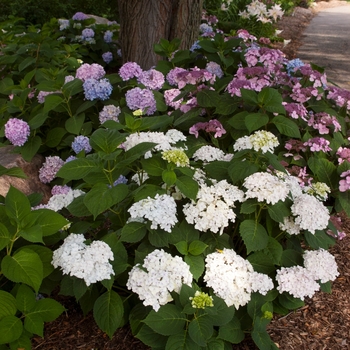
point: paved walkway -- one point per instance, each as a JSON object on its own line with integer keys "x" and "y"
{"x": 327, "y": 44}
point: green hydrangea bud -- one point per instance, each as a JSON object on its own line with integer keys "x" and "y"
{"x": 201, "y": 300}
{"x": 176, "y": 156}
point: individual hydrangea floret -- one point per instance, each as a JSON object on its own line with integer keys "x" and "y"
{"x": 109, "y": 112}
{"x": 209, "y": 154}
{"x": 213, "y": 208}
{"x": 310, "y": 213}
{"x": 297, "y": 281}
{"x": 107, "y": 57}
{"x": 81, "y": 143}
{"x": 233, "y": 278}
{"x": 159, "y": 275}
{"x": 87, "y": 262}
{"x": 143, "y": 99}
{"x": 97, "y": 89}
{"x": 201, "y": 300}
{"x": 177, "y": 157}
{"x": 160, "y": 211}
{"x": 151, "y": 79}
{"x": 50, "y": 168}
{"x": 90, "y": 71}
{"x": 130, "y": 70}
{"x": 265, "y": 187}
{"x": 17, "y": 131}
{"x": 321, "y": 265}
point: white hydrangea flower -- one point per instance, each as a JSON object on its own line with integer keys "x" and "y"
{"x": 59, "y": 201}
{"x": 160, "y": 210}
{"x": 140, "y": 177}
{"x": 297, "y": 281}
{"x": 261, "y": 140}
{"x": 88, "y": 262}
{"x": 310, "y": 213}
{"x": 319, "y": 189}
{"x": 265, "y": 187}
{"x": 289, "y": 226}
{"x": 164, "y": 274}
{"x": 321, "y": 265}
{"x": 212, "y": 209}
{"x": 210, "y": 154}
{"x": 292, "y": 182}
{"x": 175, "y": 136}
{"x": 233, "y": 278}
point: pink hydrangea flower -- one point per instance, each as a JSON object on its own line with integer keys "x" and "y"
{"x": 17, "y": 131}
{"x": 50, "y": 168}
{"x": 90, "y": 71}
{"x": 130, "y": 70}
{"x": 212, "y": 126}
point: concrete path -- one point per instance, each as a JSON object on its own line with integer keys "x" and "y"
{"x": 327, "y": 44}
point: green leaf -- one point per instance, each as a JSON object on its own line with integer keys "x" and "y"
{"x": 325, "y": 171}
{"x": 201, "y": 329}
{"x": 286, "y": 126}
{"x": 249, "y": 206}
{"x": 231, "y": 332}
{"x": 48, "y": 309}
{"x": 108, "y": 312}
{"x": 34, "y": 323}
{"x": 30, "y": 148}
{"x": 55, "y": 136}
{"x": 133, "y": 232}
{"x": 15, "y": 172}
{"x": 52, "y": 101}
{"x": 49, "y": 221}
{"x": 255, "y": 121}
{"x": 25, "y": 298}
{"x": 72, "y": 87}
{"x": 261, "y": 262}
{"x": 187, "y": 186}
{"x": 271, "y": 100}
{"x": 222, "y": 314}
{"x": 278, "y": 211}
{"x": 262, "y": 339}
{"x": 169, "y": 177}
{"x": 239, "y": 169}
{"x": 344, "y": 201}
{"x": 319, "y": 240}
{"x": 249, "y": 97}
{"x": 79, "y": 288}
{"x": 24, "y": 266}
{"x": 26, "y": 63}
{"x": 274, "y": 249}
{"x": 289, "y": 302}
{"x": 77, "y": 169}
{"x": 8, "y": 305}
{"x": 217, "y": 170}
{"x": 17, "y": 204}
{"x": 151, "y": 338}
{"x": 254, "y": 235}
{"x": 196, "y": 264}
{"x": 158, "y": 238}
{"x": 197, "y": 247}
{"x": 5, "y": 237}
{"x": 167, "y": 321}
{"x": 32, "y": 234}
{"x": 78, "y": 208}
{"x": 326, "y": 287}
{"x": 101, "y": 197}
{"x": 182, "y": 247}
{"x": 106, "y": 140}
{"x": 153, "y": 166}
{"x": 181, "y": 341}
{"x": 208, "y": 98}
{"x": 227, "y": 105}
{"x": 11, "y": 329}
{"x": 291, "y": 258}
{"x": 74, "y": 124}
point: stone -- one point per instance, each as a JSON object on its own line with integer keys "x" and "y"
{"x": 31, "y": 184}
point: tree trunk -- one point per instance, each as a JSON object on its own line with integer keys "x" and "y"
{"x": 144, "y": 22}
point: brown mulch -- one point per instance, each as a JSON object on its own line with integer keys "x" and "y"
{"x": 322, "y": 324}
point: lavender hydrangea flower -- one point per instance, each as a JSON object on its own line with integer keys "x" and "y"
{"x": 107, "y": 37}
{"x": 80, "y": 16}
{"x": 90, "y": 71}
{"x": 50, "y": 168}
{"x": 214, "y": 68}
{"x": 130, "y": 70}
{"x": 109, "y": 112}
{"x": 17, "y": 131}
{"x": 107, "y": 57}
{"x": 137, "y": 98}
{"x": 88, "y": 33}
{"x": 121, "y": 180}
{"x": 97, "y": 89}
{"x": 81, "y": 143}
{"x": 172, "y": 78}
{"x": 152, "y": 79}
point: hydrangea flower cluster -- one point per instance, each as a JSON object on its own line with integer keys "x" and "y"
{"x": 265, "y": 187}
{"x": 213, "y": 208}
{"x": 109, "y": 112}
{"x": 108, "y": 36}
{"x": 97, "y": 89}
{"x": 319, "y": 265}
{"x": 319, "y": 189}
{"x": 90, "y": 71}
{"x": 130, "y": 70}
{"x": 81, "y": 143}
{"x": 160, "y": 210}
{"x": 17, "y": 131}
{"x": 318, "y": 144}
{"x": 212, "y": 125}
{"x": 159, "y": 275}
{"x": 177, "y": 157}
{"x": 201, "y": 300}
{"x": 88, "y": 262}
{"x": 322, "y": 122}
{"x": 214, "y": 68}
{"x": 151, "y": 79}
{"x": 107, "y": 57}
{"x": 344, "y": 154}
{"x": 170, "y": 95}
{"x": 80, "y": 16}
{"x": 344, "y": 183}
{"x": 261, "y": 140}
{"x": 143, "y": 99}
{"x": 233, "y": 278}
{"x": 50, "y": 168}
{"x": 209, "y": 154}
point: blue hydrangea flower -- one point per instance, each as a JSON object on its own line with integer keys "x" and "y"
{"x": 195, "y": 46}
{"x": 121, "y": 180}
{"x": 81, "y": 143}
{"x": 97, "y": 89}
{"x": 293, "y": 64}
{"x": 87, "y": 33}
{"x": 107, "y": 57}
{"x": 108, "y": 36}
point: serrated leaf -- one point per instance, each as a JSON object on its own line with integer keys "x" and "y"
{"x": 289, "y": 302}
{"x": 55, "y": 136}
{"x": 254, "y": 235}
{"x": 325, "y": 171}
{"x": 151, "y": 338}
{"x": 271, "y": 100}
{"x": 197, "y": 247}
{"x": 222, "y": 313}
{"x": 249, "y": 97}
{"x": 167, "y": 321}
{"x": 108, "y": 312}
{"x": 30, "y": 148}
{"x": 133, "y": 232}
{"x": 8, "y": 305}
{"x": 25, "y": 298}
{"x": 231, "y": 332}
{"x": 274, "y": 249}
{"x": 24, "y": 266}
{"x": 106, "y": 140}
{"x": 15, "y": 172}
{"x": 181, "y": 341}
{"x": 291, "y": 258}
{"x": 48, "y": 309}
{"x": 319, "y": 240}
{"x": 26, "y": 63}
{"x": 34, "y": 323}
{"x": 278, "y": 211}
{"x": 169, "y": 177}
{"x": 201, "y": 329}
{"x": 52, "y": 101}
{"x": 11, "y": 329}
{"x": 182, "y": 247}
{"x": 208, "y": 98}
{"x": 49, "y": 221}
{"x": 17, "y": 204}
{"x": 262, "y": 339}
{"x": 5, "y": 237}
{"x": 77, "y": 169}
{"x": 74, "y": 124}
{"x": 255, "y": 121}
{"x": 158, "y": 238}
{"x": 286, "y": 126}
{"x": 196, "y": 264}
{"x": 187, "y": 186}
{"x": 261, "y": 262}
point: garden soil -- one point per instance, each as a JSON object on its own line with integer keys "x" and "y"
{"x": 322, "y": 324}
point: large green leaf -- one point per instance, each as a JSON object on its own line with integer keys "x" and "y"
{"x": 201, "y": 329}
{"x": 325, "y": 171}
{"x": 168, "y": 320}
{"x": 24, "y": 266}
{"x": 231, "y": 332}
{"x": 106, "y": 140}
{"x": 187, "y": 186}
{"x": 49, "y": 221}
{"x": 286, "y": 126}
{"x": 52, "y": 101}
{"x": 222, "y": 314}
{"x": 34, "y": 323}
{"x": 154, "y": 166}
{"x": 8, "y": 305}
{"x": 254, "y": 235}
{"x": 261, "y": 262}
{"x": 17, "y": 204}
{"x": 255, "y": 121}
{"x": 74, "y": 124}
{"x": 5, "y": 237}
{"x": 108, "y": 312}
{"x": 181, "y": 341}
{"x": 133, "y": 232}
{"x": 25, "y": 298}
{"x": 16, "y": 172}
{"x": 48, "y": 309}
{"x": 55, "y": 136}
{"x": 319, "y": 240}
{"x": 208, "y": 98}
{"x": 30, "y": 148}
{"x": 271, "y": 100}
{"x": 196, "y": 263}
{"x": 101, "y": 197}
{"x": 77, "y": 169}
{"x": 11, "y": 329}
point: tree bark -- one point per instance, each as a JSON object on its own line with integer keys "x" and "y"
{"x": 144, "y": 22}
